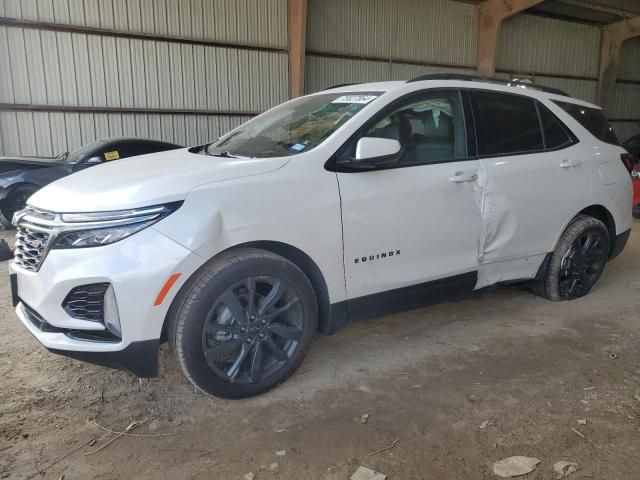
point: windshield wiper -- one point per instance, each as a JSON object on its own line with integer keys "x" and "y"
{"x": 228, "y": 154}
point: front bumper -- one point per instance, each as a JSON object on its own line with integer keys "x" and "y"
{"x": 137, "y": 268}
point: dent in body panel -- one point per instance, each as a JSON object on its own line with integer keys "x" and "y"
{"x": 499, "y": 222}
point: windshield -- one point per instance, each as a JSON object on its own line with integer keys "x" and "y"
{"x": 79, "y": 153}
{"x": 293, "y": 127}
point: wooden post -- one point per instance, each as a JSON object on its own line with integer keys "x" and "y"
{"x": 613, "y": 36}
{"x": 297, "y": 46}
{"x": 490, "y": 16}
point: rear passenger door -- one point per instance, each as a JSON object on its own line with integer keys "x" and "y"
{"x": 538, "y": 176}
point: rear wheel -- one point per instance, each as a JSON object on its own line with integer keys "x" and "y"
{"x": 244, "y": 324}
{"x": 577, "y": 262}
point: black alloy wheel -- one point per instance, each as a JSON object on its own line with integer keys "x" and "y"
{"x": 243, "y": 323}
{"x": 252, "y": 330}
{"x": 583, "y": 263}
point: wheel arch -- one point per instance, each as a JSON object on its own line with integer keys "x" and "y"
{"x": 601, "y": 213}
{"x": 296, "y": 256}
{"x": 11, "y": 188}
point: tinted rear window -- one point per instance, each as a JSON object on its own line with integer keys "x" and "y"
{"x": 593, "y": 120}
{"x": 507, "y": 124}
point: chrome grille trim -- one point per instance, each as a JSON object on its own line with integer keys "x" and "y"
{"x": 33, "y": 239}
{"x": 38, "y": 229}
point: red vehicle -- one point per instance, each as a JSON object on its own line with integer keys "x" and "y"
{"x": 632, "y": 146}
{"x": 636, "y": 191}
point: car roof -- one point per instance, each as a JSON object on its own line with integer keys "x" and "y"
{"x": 135, "y": 141}
{"x": 506, "y": 86}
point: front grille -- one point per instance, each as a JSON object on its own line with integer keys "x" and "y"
{"x": 86, "y": 302}
{"x": 34, "y": 237}
{"x": 31, "y": 248}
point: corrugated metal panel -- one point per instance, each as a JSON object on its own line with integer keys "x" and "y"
{"x": 438, "y": 31}
{"x": 625, "y": 102}
{"x": 324, "y": 72}
{"x": 530, "y": 43}
{"x": 626, "y": 130}
{"x": 583, "y": 89}
{"x": 357, "y": 27}
{"x": 259, "y": 22}
{"x": 630, "y": 60}
{"x": 90, "y": 70}
{"x": 407, "y": 72}
{"x": 54, "y": 133}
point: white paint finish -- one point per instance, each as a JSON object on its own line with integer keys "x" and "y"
{"x": 131, "y": 266}
{"x": 391, "y": 210}
{"x": 371, "y": 147}
{"x": 437, "y": 224}
{"x": 528, "y": 199}
{"x": 157, "y": 178}
{"x": 508, "y": 270}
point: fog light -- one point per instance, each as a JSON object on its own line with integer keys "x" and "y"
{"x": 111, "y": 316}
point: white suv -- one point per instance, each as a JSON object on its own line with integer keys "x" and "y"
{"x": 351, "y": 202}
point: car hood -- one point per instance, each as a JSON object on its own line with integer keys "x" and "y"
{"x": 26, "y": 163}
{"x": 145, "y": 180}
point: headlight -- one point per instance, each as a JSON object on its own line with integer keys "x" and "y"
{"x": 97, "y": 237}
{"x": 81, "y": 230}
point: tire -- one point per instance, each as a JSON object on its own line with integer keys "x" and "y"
{"x": 636, "y": 211}
{"x": 577, "y": 261}
{"x": 231, "y": 350}
{"x": 16, "y": 200}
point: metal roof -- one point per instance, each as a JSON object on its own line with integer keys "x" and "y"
{"x": 595, "y": 12}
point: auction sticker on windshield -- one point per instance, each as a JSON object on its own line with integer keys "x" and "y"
{"x": 355, "y": 99}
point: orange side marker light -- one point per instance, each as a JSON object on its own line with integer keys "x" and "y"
{"x": 165, "y": 289}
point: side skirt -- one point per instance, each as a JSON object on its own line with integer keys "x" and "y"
{"x": 401, "y": 299}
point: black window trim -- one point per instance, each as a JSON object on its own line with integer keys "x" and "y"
{"x": 572, "y": 137}
{"x": 332, "y": 164}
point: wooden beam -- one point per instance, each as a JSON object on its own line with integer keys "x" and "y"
{"x": 613, "y": 36}
{"x": 297, "y": 46}
{"x": 490, "y": 16}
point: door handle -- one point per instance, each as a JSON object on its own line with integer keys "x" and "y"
{"x": 459, "y": 177}
{"x": 570, "y": 163}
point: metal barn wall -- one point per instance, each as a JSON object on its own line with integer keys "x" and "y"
{"x": 368, "y": 40}
{"x": 65, "y": 88}
{"x": 625, "y": 105}
{"x": 553, "y": 52}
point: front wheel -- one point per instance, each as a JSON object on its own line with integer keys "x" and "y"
{"x": 577, "y": 262}
{"x": 244, "y": 323}
{"x": 16, "y": 200}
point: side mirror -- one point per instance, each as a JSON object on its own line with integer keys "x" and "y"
{"x": 373, "y": 148}
{"x": 88, "y": 162}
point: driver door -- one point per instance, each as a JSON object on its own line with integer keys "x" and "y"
{"x": 411, "y": 228}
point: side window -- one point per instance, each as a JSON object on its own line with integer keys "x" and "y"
{"x": 430, "y": 128}
{"x": 506, "y": 124}
{"x": 555, "y": 133}
{"x": 592, "y": 119}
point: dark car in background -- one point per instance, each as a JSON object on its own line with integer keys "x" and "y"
{"x": 21, "y": 177}
{"x": 632, "y": 146}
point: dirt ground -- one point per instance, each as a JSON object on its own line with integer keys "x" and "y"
{"x": 457, "y": 387}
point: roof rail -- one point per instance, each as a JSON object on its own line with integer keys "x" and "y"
{"x": 478, "y": 78}
{"x": 339, "y": 85}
